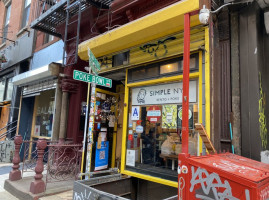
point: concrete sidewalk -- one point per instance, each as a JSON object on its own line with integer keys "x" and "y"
{"x": 4, "y": 174}
{"x": 21, "y": 188}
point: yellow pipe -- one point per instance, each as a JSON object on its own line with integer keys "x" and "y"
{"x": 83, "y": 152}
{"x": 151, "y": 178}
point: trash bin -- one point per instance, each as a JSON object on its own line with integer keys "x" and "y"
{"x": 222, "y": 176}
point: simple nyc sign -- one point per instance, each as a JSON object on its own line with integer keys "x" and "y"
{"x": 89, "y": 78}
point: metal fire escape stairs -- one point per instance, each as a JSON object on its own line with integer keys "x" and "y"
{"x": 51, "y": 14}
{"x": 73, "y": 57}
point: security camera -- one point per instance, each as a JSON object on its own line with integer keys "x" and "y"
{"x": 204, "y": 15}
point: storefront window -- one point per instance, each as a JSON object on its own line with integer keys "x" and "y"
{"x": 165, "y": 68}
{"x": 44, "y": 113}
{"x": 154, "y": 128}
{"x": 9, "y": 89}
{"x": 2, "y": 89}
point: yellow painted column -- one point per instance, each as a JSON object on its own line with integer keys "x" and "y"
{"x": 200, "y": 97}
{"x": 125, "y": 124}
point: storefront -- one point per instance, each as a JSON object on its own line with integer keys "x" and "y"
{"x": 38, "y": 99}
{"x": 149, "y": 50}
{"x": 15, "y": 59}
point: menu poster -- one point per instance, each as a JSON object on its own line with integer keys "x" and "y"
{"x": 169, "y": 116}
{"x": 179, "y": 116}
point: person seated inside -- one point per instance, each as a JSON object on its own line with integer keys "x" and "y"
{"x": 147, "y": 137}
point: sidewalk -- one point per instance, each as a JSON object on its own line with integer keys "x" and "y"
{"x": 4, "y": 173}
{"x": 5, "y": 168}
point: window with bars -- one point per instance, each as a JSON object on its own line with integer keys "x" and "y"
{"x": 26, "y": 12}
{"x": 6, "y": 24}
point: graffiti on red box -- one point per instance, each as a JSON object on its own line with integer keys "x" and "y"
{"x": 232, "y": 167}
{"x": 212, "y": 187}
{"x": 264, "y": 194}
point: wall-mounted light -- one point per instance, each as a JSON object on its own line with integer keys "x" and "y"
{"x": 204, "y": 15}
{"x": 205, "y": 12}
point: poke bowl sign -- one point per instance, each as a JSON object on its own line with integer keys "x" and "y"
{"x": 90, "y": 78}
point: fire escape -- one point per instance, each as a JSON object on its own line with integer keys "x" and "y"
{"x": 50, "y": 14}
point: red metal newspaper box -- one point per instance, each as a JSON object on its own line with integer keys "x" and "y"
{"x": 222, "y": 176}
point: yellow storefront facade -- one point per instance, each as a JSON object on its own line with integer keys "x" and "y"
{"x": 151, "y": 52}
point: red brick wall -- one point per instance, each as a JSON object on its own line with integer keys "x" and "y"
{"x": 2, "y": 17}
{"x": 15, "y": 23}
{"x": 15, "y": 19}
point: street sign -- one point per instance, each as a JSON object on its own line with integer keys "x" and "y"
{"x": 89, "y": 78}
{"x": 93, "y": 62}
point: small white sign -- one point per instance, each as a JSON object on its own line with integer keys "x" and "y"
{"x": 135, "y": 112}
{"x": 139, "y": 129}
{"x": 153, "y": 119}
{"x": 169, "y": 117}
{"x": 130, "y": 158}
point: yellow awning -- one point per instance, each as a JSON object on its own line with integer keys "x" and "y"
{"x": 158, "y": 24}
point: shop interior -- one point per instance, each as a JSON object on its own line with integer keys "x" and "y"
{"x": 155, "y": 140}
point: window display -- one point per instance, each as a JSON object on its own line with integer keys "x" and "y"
{"x": 105, "y": 119}
{"x": 154, "y": 128}
{"x": 44, "y": 113}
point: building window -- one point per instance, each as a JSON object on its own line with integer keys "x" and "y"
{"x": 6, "y": 24}
{"x": 9, "y": 89}
{"x": 26, "y": 12}
{"x": 154, "y": 128}
{"x": 2, "y": 90}
{"x": 44, "y": 113}
{"x": 170, "y": 67}
{"x": 120, "y": 59}
{"x": 6, "y": 89}
{"x": 48, "y": 38}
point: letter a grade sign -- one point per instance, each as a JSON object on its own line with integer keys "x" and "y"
{"x": 135, "y": 112}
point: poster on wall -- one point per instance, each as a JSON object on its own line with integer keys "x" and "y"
{"x": 37, "y": 130}
{"x": 101, "y": 156}
{"x": 179, "y": 116}
{"x": 154, "y": 114}
{"x": 169, "y": 116}
{"x": 162, "y": 94}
